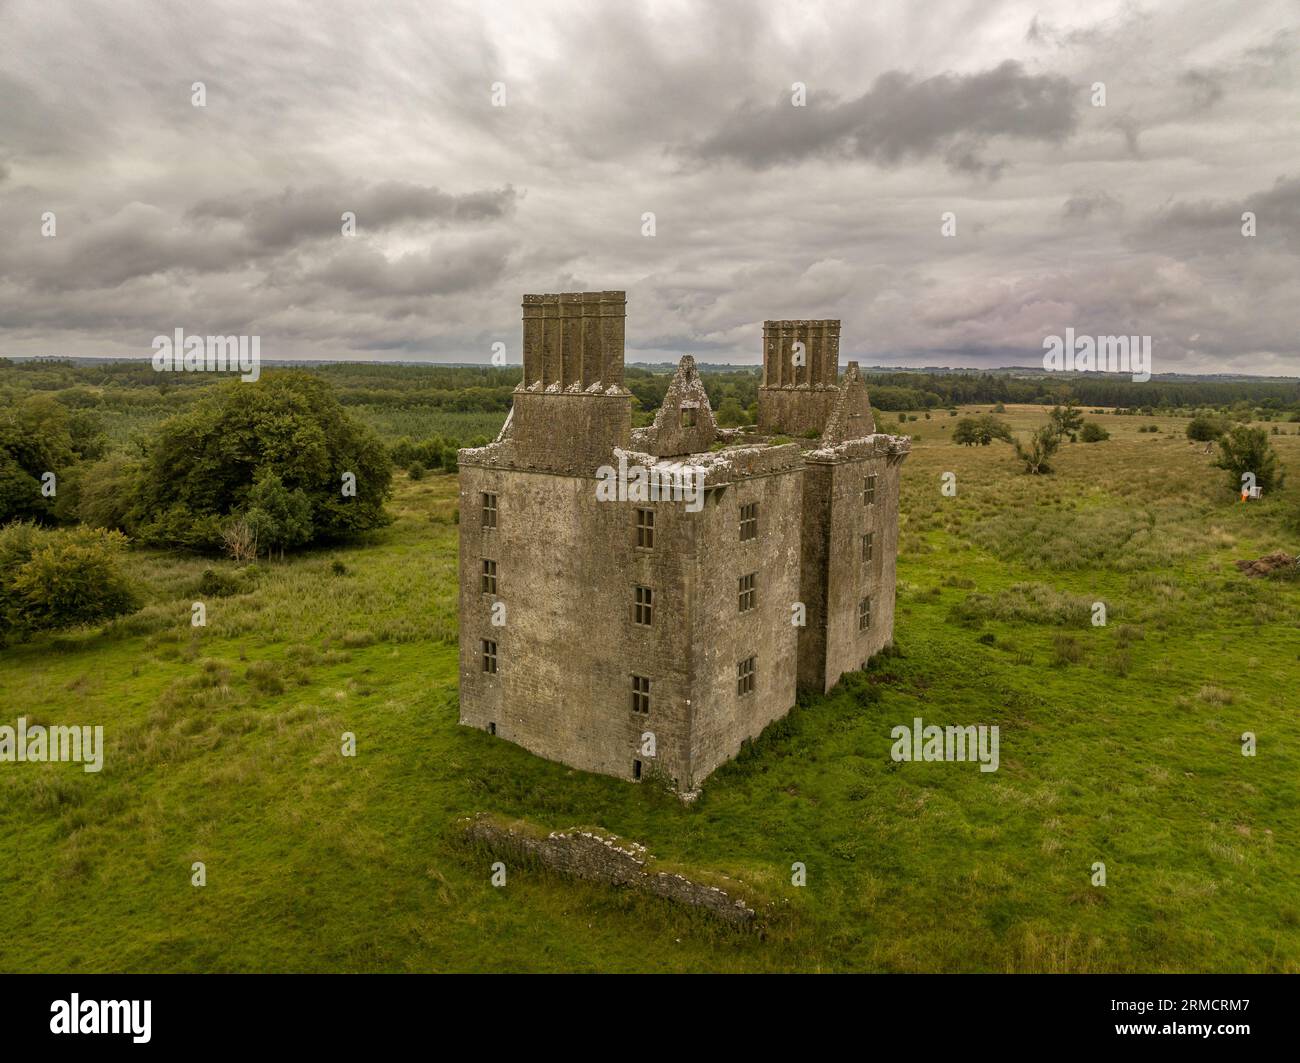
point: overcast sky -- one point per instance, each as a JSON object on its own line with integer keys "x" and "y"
{"x": 226, "y": 218}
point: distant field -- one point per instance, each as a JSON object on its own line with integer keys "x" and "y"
{"x": 392, "y": 424}
{"x": 1119, "y": 744}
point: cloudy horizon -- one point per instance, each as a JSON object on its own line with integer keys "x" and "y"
{"x": 225, "y": 218}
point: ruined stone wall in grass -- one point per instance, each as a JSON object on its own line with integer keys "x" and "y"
{"x": 598, "y": 856}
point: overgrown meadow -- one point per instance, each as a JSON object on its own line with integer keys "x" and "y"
{"x": 1120, "y": 744}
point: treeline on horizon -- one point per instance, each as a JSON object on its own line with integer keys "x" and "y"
{"x": 135, "y": 385}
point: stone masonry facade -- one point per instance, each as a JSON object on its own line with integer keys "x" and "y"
{"x": 645, "y": 632}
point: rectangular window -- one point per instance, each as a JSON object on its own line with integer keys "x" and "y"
{"x": 645, "y": 606}
{"x": 869, "y": 491}
{"x": 636, "y": 770}
{"x": 747, "y": 593}
{"x": 489, "y": 657}
{"x": 641, "y": 694}
{"x": 489, "y": 510}
{"x": 864, "y": 614}
{"x": 745, "y": 676}
{"x": 489, "y": 576}
{"x": 868, "y": 546}
{"x": 645, "y": 528}
{"x": 748, "y": 521}
{"x": 688, "y": 416}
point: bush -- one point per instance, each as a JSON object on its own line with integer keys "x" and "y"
{"x": 59, "y": 579}
{"x": 1247, "y": 450}
{"x": 1092, "y": 432}
{"x": 1035, "y": 454}
{"x": 982, "y": 430}
{"x": 1203, "y": 428}
{"x": 416, "y": 471}
{"x": 218, "y": 584}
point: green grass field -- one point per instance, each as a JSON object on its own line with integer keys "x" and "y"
{"x": 1119, "y": 744}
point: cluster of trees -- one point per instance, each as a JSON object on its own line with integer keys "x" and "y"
{"x": 1064, "y": 422}
{"x": 434, "y": 453}
{"x": 930, "y": 389}
{"x": 249, "y": 468}
{"x": 281, "y": 454}
{"x": 40, "y": 439}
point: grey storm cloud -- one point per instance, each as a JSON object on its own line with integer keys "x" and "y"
{"x": 1206, "y": 88}
{"x": 432, "y": 272}
{"x": 293, "y": 216}
{"x": 226, "y": 218}
{"x": 1083, "y": 204}
{"x": 901, "y": 117}
{"x": 1215, "y": 227}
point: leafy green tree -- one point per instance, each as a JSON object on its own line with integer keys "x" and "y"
{"x": 730, "y": 414}
{"x": 279, "y": 519}
{"x": 99, "y": 494}
{"x": 1067, "y": 420}
{"x": 201, "y": 467}
{"x": 1035, "y": 454}
{"x": 1247, "y": 450}
{"x": 35, "y": 439}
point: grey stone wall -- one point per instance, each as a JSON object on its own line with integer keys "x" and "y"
{"x": 598, "y": 856}
{"x": 723, "y": 636}
{"x": 836, "y": 577}
{"x": 795, "y": 411}
{"x": 567, "y": 565}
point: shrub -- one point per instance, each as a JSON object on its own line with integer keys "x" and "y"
{"x": 215, "y": 584}
{"x": 1092, "y": 432}
{"x": 58, "y": 579}
{"x": 1035, "y": 454}
{"x": 1247, "y": 450}
{"x": 416, "y": 471}
{"x": 980, "y": 430}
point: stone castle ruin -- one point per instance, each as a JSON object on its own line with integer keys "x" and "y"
{"x": 633, "y": 631}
